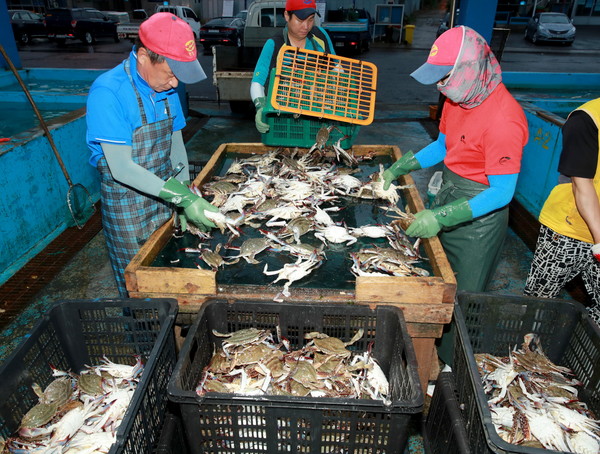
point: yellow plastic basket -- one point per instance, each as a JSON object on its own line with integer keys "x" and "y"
{"x": 324, "y": 85}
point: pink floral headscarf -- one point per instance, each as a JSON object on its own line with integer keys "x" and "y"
{"x": 475, "y": 74}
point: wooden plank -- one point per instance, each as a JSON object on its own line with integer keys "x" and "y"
{"x": 424, "y": 351}
{"x": 211, "y": 166}
{"x": 434, "y": 370}
{"x": 399, "y": 289}
{"x": 171, "y": 280}
{"x": 146, "y": 255}
{"x": 432, "y": 330}
{"x": 427, "y": 313}
{"x": 433, "y": 247}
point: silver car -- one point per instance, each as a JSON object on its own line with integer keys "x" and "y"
{"x": 550, "y": 27}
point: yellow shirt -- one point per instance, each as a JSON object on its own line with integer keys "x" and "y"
{"x": 560, "y": 211}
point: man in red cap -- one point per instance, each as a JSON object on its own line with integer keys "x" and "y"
{"x": 134, "y": 121}
{"x": 300, "y": 31}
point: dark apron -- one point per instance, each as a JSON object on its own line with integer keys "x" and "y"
{"x": 473, "y": 248}
{"x": 129, "y": 217}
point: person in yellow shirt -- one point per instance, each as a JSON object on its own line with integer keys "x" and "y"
{"x": 569, "y": 240}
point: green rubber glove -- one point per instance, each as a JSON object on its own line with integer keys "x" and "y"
{"x": 402, "y": 166}
{"x": 428, "y": 223}
{"x": 176, "y": 192}
{"x": 260, "y": 104}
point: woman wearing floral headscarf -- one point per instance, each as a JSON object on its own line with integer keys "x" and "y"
{"x": 482, "y": 134}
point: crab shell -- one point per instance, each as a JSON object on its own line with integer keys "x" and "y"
{"x": 253, "y": 246}
{"x": 331, "y": 346}
{"x": 244, "y": 336}
{"x": 39, "y": 415}
{"x": 90, "y": 383}
{"x": 58, "y": 391}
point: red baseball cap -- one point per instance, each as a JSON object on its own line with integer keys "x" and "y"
{"x": 167, "y": 35}
{"x": 442, "y": 57}
{"x": 302, "y": 8}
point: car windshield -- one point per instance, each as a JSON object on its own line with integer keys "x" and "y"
{"x": 554, "y": 19}
{"x": 139, "y": 14}
{"x": 220, "y": 22}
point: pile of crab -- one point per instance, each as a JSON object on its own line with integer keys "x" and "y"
{"x": 281, "y": 196}
{"x": 251, "y": 362}
{"x": 535, "y": 403}
{"x": 77, "y": 413}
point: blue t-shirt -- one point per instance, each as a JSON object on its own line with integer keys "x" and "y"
{"x": 112, "y": 109}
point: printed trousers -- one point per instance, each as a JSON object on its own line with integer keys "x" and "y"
{"x": 557, "y": 260}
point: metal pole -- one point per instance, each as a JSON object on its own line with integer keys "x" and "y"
{"x": 452, "y": 14}
{"x": 573, "y": 9}
{"x": 534, "y": 7}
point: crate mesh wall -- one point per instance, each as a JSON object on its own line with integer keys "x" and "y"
{"x": 228, "y": 423}
{"x": 77, "y": 333}
{"x": 496, "y": 323}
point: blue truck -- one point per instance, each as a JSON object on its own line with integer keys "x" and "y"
{"x": 350, "y": 29}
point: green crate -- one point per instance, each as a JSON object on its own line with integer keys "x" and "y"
{"x": 287, "y": 131}
{"x": 292, "y": 130}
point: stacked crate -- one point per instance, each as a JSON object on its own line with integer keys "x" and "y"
{"x": 310, "y": 90}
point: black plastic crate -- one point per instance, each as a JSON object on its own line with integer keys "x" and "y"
{"x": 75, "y": 333}
{"x": 172, "y": 439}
{"x": 230, "y": 423}
{"x": 445, "y": 430}
{"x": 195, "y": 167}
{"x": 488, "y": 323}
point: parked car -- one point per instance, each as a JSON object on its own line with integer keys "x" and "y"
{"x": 131, "y": 29}
{"x": 445, "y": 22}
{"x": 120, "y": 17}
{"x": 139, "y": 15}
{"x": 548, "y": 27}
{"x": 86, "y": 24}
{"x": 183, "y": 12}
{"x": 242, "y": 15}
{"x": 26, "y": 25}
{"x": 222, "y": 30}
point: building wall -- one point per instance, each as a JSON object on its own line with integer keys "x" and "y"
{"x": 410, "y": 6}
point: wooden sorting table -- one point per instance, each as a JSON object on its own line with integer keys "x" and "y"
{"x": 427, "y": 302}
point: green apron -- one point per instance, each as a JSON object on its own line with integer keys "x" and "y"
{"x": 473, "y": 248}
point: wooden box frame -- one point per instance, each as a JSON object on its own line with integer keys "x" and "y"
{"x": 427, "y": 302}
